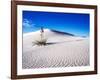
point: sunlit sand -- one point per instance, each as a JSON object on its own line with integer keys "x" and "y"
{"x": 61, "y": 50}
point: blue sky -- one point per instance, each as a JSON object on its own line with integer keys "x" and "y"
{"x": 74, "y": 23}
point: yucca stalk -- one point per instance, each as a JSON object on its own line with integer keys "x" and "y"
{"x": 42, "y": 33}
{"x": 42, "y": 40}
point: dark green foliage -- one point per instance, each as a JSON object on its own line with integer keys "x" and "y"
{"x": 40, "y": 43}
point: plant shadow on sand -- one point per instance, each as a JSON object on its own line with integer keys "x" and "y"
{"x": 44, "y": 43}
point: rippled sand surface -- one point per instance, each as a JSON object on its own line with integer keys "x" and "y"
{"x": 67, "y": 52}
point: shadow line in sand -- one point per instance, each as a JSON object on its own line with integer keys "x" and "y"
{"x": 52, "y": 43}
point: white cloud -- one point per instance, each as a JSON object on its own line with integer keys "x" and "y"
{"x": 28, "y": 23}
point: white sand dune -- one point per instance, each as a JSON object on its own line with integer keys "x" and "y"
{"x": 66, "y": 51}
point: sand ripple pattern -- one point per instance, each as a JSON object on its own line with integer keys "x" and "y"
{"x": 66, "y": 54}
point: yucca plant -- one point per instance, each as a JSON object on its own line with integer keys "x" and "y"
{"x": 42, "y": 40}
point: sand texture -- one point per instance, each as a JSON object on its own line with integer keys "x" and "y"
{"x": 62, "y": 50}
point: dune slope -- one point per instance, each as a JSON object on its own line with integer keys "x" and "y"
{"x": 66, "y": 51}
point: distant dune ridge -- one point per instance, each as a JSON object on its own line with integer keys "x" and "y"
{"x": 62, "y": 50}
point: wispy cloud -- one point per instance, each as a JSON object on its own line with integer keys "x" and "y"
{"x": 28, "y": 23}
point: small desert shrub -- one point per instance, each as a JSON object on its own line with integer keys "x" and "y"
{"x": 40, "y": 42}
